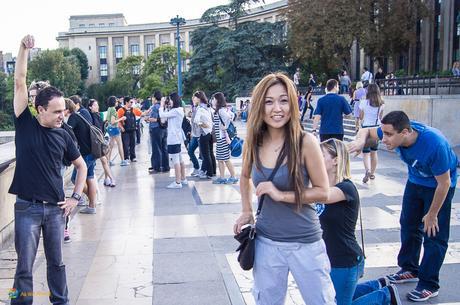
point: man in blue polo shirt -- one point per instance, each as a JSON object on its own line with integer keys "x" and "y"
{"x": 426, "y": 206}
{"x": 330, "y": 110}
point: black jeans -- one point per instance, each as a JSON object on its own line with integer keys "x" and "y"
{"x": 129, "y": 144}
{"x": 159, "y": 159}
{"x": 305, "y": 110}
{"x": 209, "y": 160}
{"x": 327, "y": 136}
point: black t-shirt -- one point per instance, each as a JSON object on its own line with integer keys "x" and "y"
{"x": 338, "y": 221}
{"x": 39, "y": 155}
{"x": 81, "y": 130}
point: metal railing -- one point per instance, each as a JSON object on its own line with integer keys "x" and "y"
{"x": 437, "y": 85}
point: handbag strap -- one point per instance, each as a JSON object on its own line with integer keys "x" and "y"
{"x": 377, "y": 118}
{"x": 362, "y": 231}
{"x": 279, "y": 161}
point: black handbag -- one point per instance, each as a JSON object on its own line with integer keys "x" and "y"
{"x": 246, "y": 237}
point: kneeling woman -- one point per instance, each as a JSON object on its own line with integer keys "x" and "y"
{"x": 338, "y": 219}
{"x": 288, "y": 230}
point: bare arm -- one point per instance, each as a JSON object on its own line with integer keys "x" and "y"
{"x": 20, "y": 73}
{"x": 316, "y": 120}
{"x": 246, "y": 216}
{"x": 335, "y": 195}
{"x": 316, "y": 171}
{"x": 430, "y": 220}
{"x": 364, "y": 135}
{"x": 80, "y": 180}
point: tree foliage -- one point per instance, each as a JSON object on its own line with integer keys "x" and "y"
{"x": 234, "y": 10}
{"x": 323, "y": 31}
{"x": 6, "y": 102}
{"x": 233, "y": 60}
{"x": 61, "y": 71}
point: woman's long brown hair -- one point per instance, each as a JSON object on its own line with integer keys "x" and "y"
{"x": 257, "y": 129}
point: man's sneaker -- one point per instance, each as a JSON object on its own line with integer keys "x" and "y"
{"x": 107, "y": 181}
{"x": 124, "y": 163}
{"x": 82, "y": 202}
{"x": 232, "y": 180}
{"x": 394, "y": 295}
{"x": 134, "y": 160}
{"x": 402, "y": 277}
{"x": 220, "y": 181}
{"x": 204, "y": 176}
{"x": 184, "y": 182}
{"x": 174, "y": 185}
{"x": 88, "y": 210}
{"x": 196, "y": 173}
{"x": 67, "y": 236}
{"x": 418, "y": 295}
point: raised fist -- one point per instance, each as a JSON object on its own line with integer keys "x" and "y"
{"x": 28, "y": 41}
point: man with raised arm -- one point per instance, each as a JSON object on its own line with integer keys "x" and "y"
{"x": 426, "y": 205}
{"x": 41, "y": 206}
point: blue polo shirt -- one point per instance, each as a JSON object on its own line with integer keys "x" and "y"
{"x": 332, "y": 107}
{"x": 430, "y": 156}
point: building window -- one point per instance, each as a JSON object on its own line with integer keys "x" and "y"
{"x": 149, "y": 48}
{"x": 134, "y": 50}
{"x": 103, "y": 52}
{"x": 81, "y": 25}
{"x": 118, "y": 53}
{"x": 103, "y": 72}
{"x": 111, "y": 24}
{"x": 101, "y": 24}
{"x": 91, "y": 25}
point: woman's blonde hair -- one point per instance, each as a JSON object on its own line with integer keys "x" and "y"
{"x": 257, "y": 129}
{"x": 359, "y": 85}
{"x": 69, "y": 105}
{"x": 336, "y": 149}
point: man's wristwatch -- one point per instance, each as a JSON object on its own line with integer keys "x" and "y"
{"x": 76, "y": 196}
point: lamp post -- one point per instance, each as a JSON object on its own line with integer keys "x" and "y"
{"x": 178, "y": 21}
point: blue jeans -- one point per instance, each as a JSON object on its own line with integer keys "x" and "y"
{"x": 416, "y": 203}
{"x": 192, "y": 146}
{"x": 343, "y": 89}
{"x": 345, "y": 280}
{"x": 370, "y": 293}
{"x": 30, "y": 220}
{"x": 159, "y": 159}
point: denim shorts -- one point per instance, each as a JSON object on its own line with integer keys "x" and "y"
{"x": 113, "y": 131}
{"x": 90, "y": 165}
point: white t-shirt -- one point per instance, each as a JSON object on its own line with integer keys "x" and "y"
{"x": 371, "y": 114}
{"x": 204, "y": 115}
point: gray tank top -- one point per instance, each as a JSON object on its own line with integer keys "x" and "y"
{"x": 280, "y": 221}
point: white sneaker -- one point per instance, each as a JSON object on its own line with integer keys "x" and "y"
{"x": 174, "y": 185}
{"x": 196, "y": 173}
{"x": 184, "y": 182}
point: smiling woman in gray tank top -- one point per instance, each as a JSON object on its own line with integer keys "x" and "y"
{"x": 288, "y": 230}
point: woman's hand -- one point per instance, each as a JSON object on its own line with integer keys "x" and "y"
{"x": 270, "y": 189}
{"x": 244, "y": 219}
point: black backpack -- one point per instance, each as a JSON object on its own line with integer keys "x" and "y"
{"x": 130, "y": 122}
{"x": 186, "y": 127}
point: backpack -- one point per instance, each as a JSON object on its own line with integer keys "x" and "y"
{"x": 187, "y": 128}
{"x": 99, "y": 147}
{"x": 130, "y": 122}
{"x": 231, "y": 129}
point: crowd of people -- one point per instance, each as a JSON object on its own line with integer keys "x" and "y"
{"x": 307, "y": 224}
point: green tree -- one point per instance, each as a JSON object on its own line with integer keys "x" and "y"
{"x": 82, "y": 60}
{"x": 61, "y": 71}
{"x": 234, "y": 11}
{"x": 6, "y": 102}
{"x": 322, "y": 32}
{"x": 160, "y": 71}
{"x": 222, "y": 62}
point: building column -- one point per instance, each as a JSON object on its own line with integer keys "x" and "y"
{"x": 157, "y": 40}
{"x": 171, "y": 37}
{"x": 141, "y": 45}
{"x": 447, "y": 24}
{"x": 427, "y": 41}
{"x": 187, "y": 41}
{"x": 110, "y": 58}
{"x": 126, "y": 47}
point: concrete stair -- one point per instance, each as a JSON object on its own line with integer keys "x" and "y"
{"x": 348, "y": 125}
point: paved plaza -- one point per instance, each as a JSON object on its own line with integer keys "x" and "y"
{"x": 151, "y": 245}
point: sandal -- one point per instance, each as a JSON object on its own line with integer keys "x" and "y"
{"x": 372, "y": 177}
{"x": 366, "y": 177}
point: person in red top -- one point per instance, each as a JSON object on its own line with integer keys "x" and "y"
{"x": 128, "y": 128}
